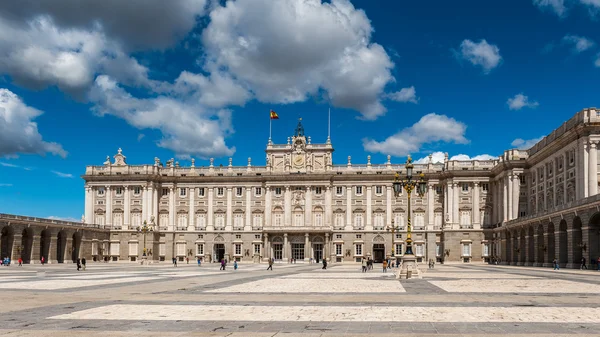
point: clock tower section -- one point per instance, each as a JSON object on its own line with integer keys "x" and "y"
{"x": 299, "y": 155}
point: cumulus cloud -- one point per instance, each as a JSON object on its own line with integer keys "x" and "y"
{"x": 556, "y": 6}
{"x": 216, "y": 91}
{"x": 482, "y": 54}
{"x": 438, "y": 157}
{"x": 430, "y": 128}
{"x": 520, "y": 101}
{"x": 580, "y": 43}
{"x": 315, "y": 48}
{"x": 404, "y": 95}
{"x": 18, "y": 132}
{"x": 187, "y": 127}
{"x": 523, "y": 144}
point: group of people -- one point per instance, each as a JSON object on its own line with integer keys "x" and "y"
{"x": 81, "y": 264}
{"x": 6, "y": 262}
{"x": 224, "y": 264}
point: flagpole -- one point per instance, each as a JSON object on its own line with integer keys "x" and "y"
{"x": 329, "y": 127}
{"x": 270, "y": 127}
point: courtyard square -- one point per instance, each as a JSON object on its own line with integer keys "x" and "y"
{"x": 125, "y": 299}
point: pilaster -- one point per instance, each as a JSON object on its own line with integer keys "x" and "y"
{"x": 229, "y": 214}
{"x": 308, "y": 207}
{"x": 210, "y": 222}
{"x": 476, "y": 216}
{"x": 191, "y": 212}
{"x": 348, "y": 208}
{"x": 248, "y": 222}
{"x": 369, "y": 215}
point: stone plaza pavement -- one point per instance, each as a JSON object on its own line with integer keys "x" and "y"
{"x": 121, "y": 299}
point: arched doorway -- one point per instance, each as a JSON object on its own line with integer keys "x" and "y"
{"x": 6, "y": 242}
{"x": 61, "y": 246}
{"x": 530, "y": 247}
{"x": 541, "y": 247}
{"x": 577, "y": 243}
{"x": 76, "y": 245}
{"x": 563, "y": 243}
{"x": 594, "y": 236}
{"x": 45, "y": 238}
{"x": 551, "y": 243}
{"x": 26, "y": 245}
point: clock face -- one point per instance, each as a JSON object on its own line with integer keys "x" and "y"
{"x": 299, "y": 160}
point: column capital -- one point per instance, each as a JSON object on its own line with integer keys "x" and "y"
{"x": 475, "y": 183}
{"x": 306, "y": 235}
{"x": 593, "y": 144}
{"x": 126, "y": 187}
{"x": 285, "y": 235}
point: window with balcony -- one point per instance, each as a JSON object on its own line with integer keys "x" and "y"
{"x": 257, "y": 249}
{"x": 200, "y": 249}
{"x": 398, "y": 249}
{"x": 338, "y": 249}
{"x": 465, "y": 219}
{"x": 339, "y": 220}
{"x": 358, "y": 249}
{"x": 466, "y": 249}
{"x": 257, "y": 221}
{"x": 238, "y": 220}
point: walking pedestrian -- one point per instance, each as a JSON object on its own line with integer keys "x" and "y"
{"x": 42, "y": 260}
{"x": 222, "y": 264}
{"x": 555, "y": 264}
{"x": 199, "y": 261}
{"x": 324, "y": 264}
{"x": 583, "y": 266}
{"x": 364, "y": 265}
{"x": 20, "y": 262}
{"x": 187, "y": 260}
{"x": 83, "y": 263}
{"x": 384, "y": 266}
{"x": 270, "y": 267}
{"x": 78, "y": 264}
{"x": 235, "y": 265}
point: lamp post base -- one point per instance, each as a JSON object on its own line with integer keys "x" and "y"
{"x": 408, "y": 268}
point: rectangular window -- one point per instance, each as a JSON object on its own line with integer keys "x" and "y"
{"x": 162, "y": 249}
{"x": 339, "y": 190}
{"x": 438, "y": 250}
{"x": 119, "y": 191}
{"x": 358, "y": 251}
{"x": 100, "y": 190}
{"x": 182, "y": 221}
{"x": 258, "y": 191}
{"x": 277, "y": 219}
{"x": 378, "y": 190}
{"x": 466, "y": 249}
{"x": 115, "y": 248}
{"x": 257, "y": 221}
{"x": 398, "y": 249}
{"x": 238, "y": 236}
{"x": 318, "y": 190}
{"x": 359, "y": 236}
{"x": 238, "y": 191}
{"x": 200, "y": 249}
{"x": 257, "y": 236}
{"x": 133, "y": 249}
{"x": 220, "y": 191}
{"x": 165, "y": 192}
{"x": 137, "y": 190}
{"x": 339, "y": 220}
{"x": 438, "y": 189}
{"x": 257, "y": 249}
{"x": 358, "y": 190}
{"x": 201, "y": 191}
{"x": 238, "y": 221}
{"x": 486, "y": 249}
{"x": 277, "y": 190}
{"x": 358, "y": 220}
{"x": 522, "y": 179}
{"x": 338, "y": 249}
{"x": 485, "y": 187}
{"x": 465, "y": 187}
{"x": 182, "y": 192}
{"x": 419, "y": 250}
{"x": 338, "y": 236}
{"x": 180, "y": 248}
{"x": 238, "y": 249}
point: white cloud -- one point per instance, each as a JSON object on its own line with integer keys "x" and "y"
{"x": 557, "y": 6}
{"x": 594, "y": 4}
{"x": 523, "y": 144}
{"x": 18, "y": 131}
{"x": 481, "y": 54}
{"x": 9, "y": 165}
{"x": 140, "y": 137}
{"x": 597, "y": 62}
{"x": 5, "y": 185}
{"x": 580, "y": 43}
{"x": 63, "y": 175}
{"x": 187, "y": 127}
{"x": 438, "y": 157}
{"x": 52, "y": 217}
{"x": 404, "y": 95}
{"x": 520, "y": 101}
{"x": 430, "y": 128}
{"x": 216, "y": 91}
{"x": 286, "y": 51}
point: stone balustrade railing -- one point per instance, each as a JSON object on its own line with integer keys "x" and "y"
{"x": 30, "y": 219}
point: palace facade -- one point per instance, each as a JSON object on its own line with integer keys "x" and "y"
{"x": 300, "y": 205}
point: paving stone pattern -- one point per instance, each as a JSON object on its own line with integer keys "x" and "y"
{"x": 296, "y": 300}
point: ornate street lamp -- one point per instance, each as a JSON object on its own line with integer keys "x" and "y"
{"x": 145, "y": 229}
{"x": 393, "y": 228}
{"x": 408, "y": 184}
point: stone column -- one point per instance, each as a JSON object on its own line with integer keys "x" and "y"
{"x": 593, "y": 169}
{"x": 288, "y": 207}
{"x": 449, "y": 201}
{"x": 516, "y": 191}
{"x": 308, "y": 207}
{"x": 191, "y": 211}
{"x": 144, "y": 203}
{"x": 89, "y": 206}
{"x": 430, "y": 210}
{"x": 369, "y": 215}
{"x": 109, "y": 218}
{"x": 536, "y": 244}
{"x": 285, "y": 247}
{"x": 266, "y": 249}
{"x": 328, "y": 201}
{"x": 268, "y": 207}
{"x": 326, "y": 248}
{"x": 388, "y": 206}
{"x": 248, "y": 224}
{"x": 150, "y": 209}
{"x": 306, "y": 247}
{"x": 155, "y": 197}
{"x": 455, "y": 203}
{"x": 585, "y": 169}
{"x": 210, "y": 213}
{"x": 504, "y": 200}
{"x": 510, "y": 196}
{"x": 349, "y": 208}
{"x": 127, "y": 209}
{"x": 172, "y": 208}
{"x": 476, "y": 216}
{"x": 229, "y": 214}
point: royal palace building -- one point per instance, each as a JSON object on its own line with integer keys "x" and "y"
{"x": 300, "y": 205}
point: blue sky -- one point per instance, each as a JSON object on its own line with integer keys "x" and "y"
{"x": 197, "y": 79}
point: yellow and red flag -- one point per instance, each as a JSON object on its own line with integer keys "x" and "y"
{"x": 274, "y": 115}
